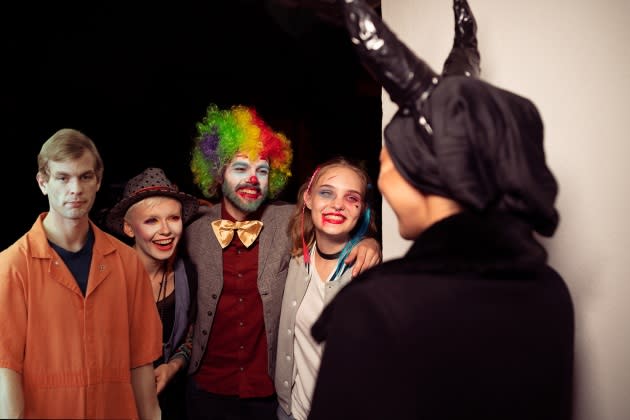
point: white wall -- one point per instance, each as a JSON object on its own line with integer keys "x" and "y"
{"x": 573, "y": 60}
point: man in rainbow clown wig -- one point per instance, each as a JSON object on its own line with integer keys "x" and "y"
{"x": 241, "y": 251}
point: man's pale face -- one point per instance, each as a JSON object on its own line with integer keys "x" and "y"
{"x": 71, "y": 187}
{"x": 246, "y": 183}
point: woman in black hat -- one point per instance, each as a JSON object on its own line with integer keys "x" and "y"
{"x": 152, "y": 212}
{"x": 471, "y": 323}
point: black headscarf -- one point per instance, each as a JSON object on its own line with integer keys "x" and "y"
{"x": 485, "y": 151}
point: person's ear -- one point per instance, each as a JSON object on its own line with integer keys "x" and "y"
{"x": 128, "y": 229}
{"x": 42, "y": 182}
{"x": 308, "y": 202}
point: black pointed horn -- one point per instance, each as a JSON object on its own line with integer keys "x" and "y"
{"x": 464, "y": 57}
{"x": 402, "y": 74}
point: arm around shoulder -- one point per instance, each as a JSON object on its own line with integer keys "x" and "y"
{"x": 366, "y": 254}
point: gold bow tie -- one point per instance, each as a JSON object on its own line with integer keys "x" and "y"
{"x": 247, "y": 231}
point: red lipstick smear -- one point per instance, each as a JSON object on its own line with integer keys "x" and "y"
{"x": 339, "y": 219}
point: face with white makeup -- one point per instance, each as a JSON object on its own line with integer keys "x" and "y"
{"x": 156, "y": 225}
{"x": 245, "y": 185}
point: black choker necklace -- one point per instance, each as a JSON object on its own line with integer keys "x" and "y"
{"x": 327, "y": 256}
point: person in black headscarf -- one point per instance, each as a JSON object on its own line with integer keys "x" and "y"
{"x": 472, "y": 323}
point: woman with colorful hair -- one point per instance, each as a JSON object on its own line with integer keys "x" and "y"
{"x": 332, "y": 215}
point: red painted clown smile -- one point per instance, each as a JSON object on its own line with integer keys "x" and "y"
{"x": 248, "y": 193}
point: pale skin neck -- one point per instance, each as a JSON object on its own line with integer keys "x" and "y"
{"x": 324, "y": 267}
{"x": 151, "y": 265}
{"x": 69, "y": 234}
{"x": 156, "y": 268}
{"x": 327, "y": 245}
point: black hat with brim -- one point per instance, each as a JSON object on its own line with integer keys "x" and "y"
{"x": 152, "y": 182}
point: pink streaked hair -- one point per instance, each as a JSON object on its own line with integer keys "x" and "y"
{"x": 305, "y": 251}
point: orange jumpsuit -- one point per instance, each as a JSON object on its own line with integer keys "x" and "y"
{"x": 75, "y": 353}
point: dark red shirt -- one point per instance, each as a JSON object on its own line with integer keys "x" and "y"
{"x": 235, "y": 362}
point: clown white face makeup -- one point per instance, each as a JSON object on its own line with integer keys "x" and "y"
{"x": 336, "y": 201}
{"x": 245, "y": 185}
{"x": 156, "y": 225}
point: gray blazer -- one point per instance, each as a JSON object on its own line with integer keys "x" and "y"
{"x": 297, "y": 282}
{"x": 273, "y": 262}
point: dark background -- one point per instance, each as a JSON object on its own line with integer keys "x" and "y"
{"x": 137, "y": 81}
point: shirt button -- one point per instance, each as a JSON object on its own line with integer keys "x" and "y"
{"x": 288, "y": 358}
{"x": 240, "y": 299}
{"x": 204, "y": 332}
{"x": 289, "y": 332}
{"x": 239, "y": 275}
{"x": 242, "y": 368}
{"x": 240, "y": 323}
{"x": 241, "y": 347}
{"x": 209, "y": 313}
{"x": 214, "y": 296}
{"x": 286, "y": 383}
{"x": 294, "y": 303}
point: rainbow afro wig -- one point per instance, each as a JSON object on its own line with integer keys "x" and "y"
{"x": 222, "y": 134}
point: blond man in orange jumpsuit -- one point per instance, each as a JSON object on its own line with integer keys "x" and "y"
{"x": 79, "y": 329}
